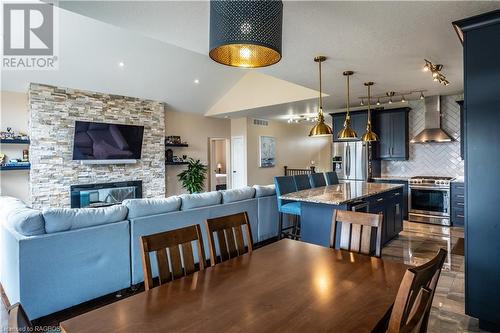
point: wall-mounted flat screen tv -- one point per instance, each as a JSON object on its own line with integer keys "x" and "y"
{"x": 102, "y": 141}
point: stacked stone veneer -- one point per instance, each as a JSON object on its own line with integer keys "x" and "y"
{"x": 53, "y": 112}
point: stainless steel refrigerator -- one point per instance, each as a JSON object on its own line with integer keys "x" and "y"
{"x": 351, "y": 160}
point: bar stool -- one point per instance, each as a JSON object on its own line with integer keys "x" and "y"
{"x": 302, "y": 182}
{"x": 317, "y": 179}
{"x": 285, "y": 185}
{"x": 331, "y": 178}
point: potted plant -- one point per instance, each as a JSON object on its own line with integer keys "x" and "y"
{"x": 193, "y": 178}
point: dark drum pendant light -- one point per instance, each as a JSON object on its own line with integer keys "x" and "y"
{"x": 246, "y": 33}
{"x": 321, "y": 128}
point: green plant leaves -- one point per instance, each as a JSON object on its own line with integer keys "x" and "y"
{"x": 193, "y": 178}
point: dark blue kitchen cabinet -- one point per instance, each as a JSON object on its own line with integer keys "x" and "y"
{"x": 392, "y": 128}
{"x": 358, "y": 123}
{"x": 457, "y": 203}
{"x": 481, "y": 43}
{"x": 462, "y": 129}
{"x": 390, "y": 206}
{"x": 404, "y": 208}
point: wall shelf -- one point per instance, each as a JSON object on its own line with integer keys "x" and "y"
{"x": 176, "y": 145}
{"x": 15, "y": 141}
{"x": 176, "y": 163}
{"x": 15, "y": 167}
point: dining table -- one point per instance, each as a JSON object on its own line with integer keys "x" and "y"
{"x": 287, "y": 286}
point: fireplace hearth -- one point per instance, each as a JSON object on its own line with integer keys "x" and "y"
{"x": 104, "y": 194}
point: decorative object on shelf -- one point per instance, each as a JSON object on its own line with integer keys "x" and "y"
{"x": 219, "y": 167}
{"x": 173, "y": 140}
{"x": 393, "y": 96}
{"x": 193, "y": 178}
{"x": 246, "y": 33}
{"x": 2, "y": 158}
{"x": 369, "y": 135}
{"x": 347, "y": 133}
{"x": 267, "y": 151}
{"x": 25, "y": 155}
{"x": 11, "y": 135}
{"x": 437, "y": 76}
{"x": 321, "y": 128}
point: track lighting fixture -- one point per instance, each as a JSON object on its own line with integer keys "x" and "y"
{"x": 378, "y": 101}
{"x": 437, "y": 76}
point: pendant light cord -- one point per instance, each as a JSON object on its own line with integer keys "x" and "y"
{"x": 369, "y": 110}
{"x": 320, "y": 90}
{"x": 348, "y": 98}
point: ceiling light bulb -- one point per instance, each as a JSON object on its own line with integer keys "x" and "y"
{"x": 378, "y": 101}
{"x": 422, "y": 95}
{"x": 390, "y": 100}
{"x": 245, "y": 52}
{"x": 435, "y": 74}
{"x": 362, "y": 102}
{"x": 121, "y": 64}
{"x": 435, "y": 79}
{"x": 196, "y": 81}
{"x": 426, "y": 68}
{"x": 403, "y": 99}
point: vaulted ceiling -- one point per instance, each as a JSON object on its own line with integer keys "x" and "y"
{"x": 164, "y": 47}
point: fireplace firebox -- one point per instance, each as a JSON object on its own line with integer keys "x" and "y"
{"x": 104, "y": 194}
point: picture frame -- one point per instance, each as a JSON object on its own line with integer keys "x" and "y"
{"x": 267, "y": 151}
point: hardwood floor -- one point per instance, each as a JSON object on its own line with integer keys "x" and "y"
{"x": 415, "y": 245}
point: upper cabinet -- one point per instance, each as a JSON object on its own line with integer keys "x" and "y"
{"x": 392, "y": 129}
{"x": 390, "y": 125}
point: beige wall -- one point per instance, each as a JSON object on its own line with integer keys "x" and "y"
{"x": 293, "y": 148}
{"x": 14, "y": 113}
{"x": 195, "y": 130}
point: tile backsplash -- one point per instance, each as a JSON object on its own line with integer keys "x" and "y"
{"x": 431, "y": 159}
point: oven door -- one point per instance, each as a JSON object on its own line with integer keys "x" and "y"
{"x": 430, "y": 200}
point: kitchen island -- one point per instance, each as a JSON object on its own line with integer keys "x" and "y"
{"x": 318, "y": 204}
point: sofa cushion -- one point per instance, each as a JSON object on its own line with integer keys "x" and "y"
{"x": 151, "y": 206}
{"x": 63, "y": 219}
{"x": 264, "y": 190}
{"x": 190, "y": 201}
{"x": 237, "y": 194}
{"x": 19, "y": 217}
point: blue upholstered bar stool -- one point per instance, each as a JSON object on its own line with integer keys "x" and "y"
{"x": 302, "y": 182}
{"x": 285, "y": 185}
{"x": 331, "y": 178}
{"x": 317, "y": 179}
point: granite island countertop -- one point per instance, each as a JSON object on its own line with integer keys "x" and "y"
{"x": 343, "y": 193}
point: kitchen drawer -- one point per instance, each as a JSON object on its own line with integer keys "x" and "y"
{"x": 458, "y": 216}
{"x": 456, "y": 197}
{"x": 458, "y": 188}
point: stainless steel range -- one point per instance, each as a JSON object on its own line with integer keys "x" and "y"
{"x": 430, "y": 199}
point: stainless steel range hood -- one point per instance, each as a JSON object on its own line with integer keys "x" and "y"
{"x": 432, "y": 123}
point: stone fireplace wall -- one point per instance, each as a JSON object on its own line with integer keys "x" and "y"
{"x": 53, "y": 112}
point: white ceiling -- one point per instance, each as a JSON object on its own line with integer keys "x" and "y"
{"x": 165, "y": 46}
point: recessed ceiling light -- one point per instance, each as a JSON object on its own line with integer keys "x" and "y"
{"x": 196, "y": 81}
{"x": 121, "y": 64}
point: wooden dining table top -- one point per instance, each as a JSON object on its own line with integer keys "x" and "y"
{"x": 285, "y": 286}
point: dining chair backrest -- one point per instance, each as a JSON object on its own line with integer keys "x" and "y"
{"x": 355, "y": 230}
{"x": 417, "y": 314}
{"x": 424, "y": 276}
{"x": 284, "y": 185}
{"x": 331, "y": 178}
{"x": 302, "y": 182}
{"x": 168, "y": 247}
{"x": 18, "y": 320}
{"x": 317, "y": 179}
{"x": 229, "y": 236}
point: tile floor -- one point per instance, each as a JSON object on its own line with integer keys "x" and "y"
{"x": 414, "y": 246}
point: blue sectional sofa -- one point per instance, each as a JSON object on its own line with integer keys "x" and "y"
{"x": 57, "y": 258}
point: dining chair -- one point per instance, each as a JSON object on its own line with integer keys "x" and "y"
{"x": 331, "y": 178}
{"x": 417, "y": 313}
{"x": 168, "y": 247}
{"x": 355, "y": 230}
{"x": 317, "y": 179}
{"x": 18, "y": 320}
{"x": 302, "y": 182}
{"x": 285, "y": 185}
{"x": 229, "y": 236}
{"x": 415, "y": 278}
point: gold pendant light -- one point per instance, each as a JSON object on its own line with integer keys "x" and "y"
{"x": 321, "y": 128}
{"x": 347, "y": 133}
{"x": 369, "y": 135}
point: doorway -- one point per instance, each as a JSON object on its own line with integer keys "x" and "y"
{"x": 238, "y": 162}
{"x": 219, "y": 164}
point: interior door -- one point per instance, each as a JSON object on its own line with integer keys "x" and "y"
{"x": 238, "y": 163}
